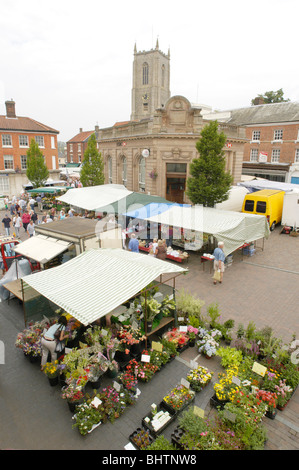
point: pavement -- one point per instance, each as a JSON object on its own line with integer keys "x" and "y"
{"x": 262, "y": 289}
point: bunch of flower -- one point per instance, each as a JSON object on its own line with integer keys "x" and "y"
{"x": 179, "y": 397}
{"x": 72, "y": 393}
{"x": 143, "y": 371}
{"x": 251, "y": 404}
{"x": 192, "y": 332}
{"x": 29, "y": 340}
{"x": 283, "y": 392}
{"x": 225, "y": 388}
{"x": 87, "y": 417}
{"x": 179, "y": 338}
{"x": 142, "y": 439}
{"x": 159, "y": 357}
{"x": 207, "y": 343}
{"x": 128, "y": 379}
{"x": 51, "y": 369}
{"x": 267, "y": 397}
{"x": 199, "y": 378}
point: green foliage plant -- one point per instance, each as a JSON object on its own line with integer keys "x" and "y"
{"x": 209, "y": 183}
{"x": 229, "y": 356}
{"x": 161, "y": 443}
{"x": 37, "y": 171}
{"x": 92, "y": 171}
{"x": 188, "y": 305}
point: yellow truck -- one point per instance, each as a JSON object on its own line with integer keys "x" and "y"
{"x": 267, "y": 202}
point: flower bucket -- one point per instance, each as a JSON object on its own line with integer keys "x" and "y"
{"x": 53, "y": 381}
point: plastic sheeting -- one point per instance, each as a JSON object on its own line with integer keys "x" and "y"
{"x": 17, "y": 270}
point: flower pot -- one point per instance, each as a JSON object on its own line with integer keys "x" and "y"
{"x": 53, "y": 381}
{"x": 95, "y": 383}
{"x": 271, "y": 414}
{"x": 72, "y": 405}
{"x": 135, "y": 349}
{"x": 149, "y": 326}
{"x": 112, "y": 373}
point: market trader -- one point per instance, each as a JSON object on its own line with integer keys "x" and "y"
{"x": 133, "y": 244}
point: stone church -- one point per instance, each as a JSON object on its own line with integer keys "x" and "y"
{"x": 152, "y": 152}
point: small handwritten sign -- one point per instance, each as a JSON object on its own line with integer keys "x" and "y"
{"x": 157, "y": 346}
{"x": 145, "y": 358}
{"x": 199, "y": 412}
{"x": 259, "y": 369}
{"x": 185, "y": 383}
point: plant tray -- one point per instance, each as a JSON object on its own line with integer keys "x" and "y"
{"x": 131, "y": 437}
{"x": 156, "y": 431}
{"x": 172, "y": 410}
{"x": 215, "y": 403}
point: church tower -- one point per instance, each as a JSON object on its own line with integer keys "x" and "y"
{"x": 151, "y": 81}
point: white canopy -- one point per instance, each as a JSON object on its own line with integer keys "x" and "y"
{"x": 257, "y": 185}
{"x": 233, "y": 228}
{"x": 94, "y": 283}
{"x": 42, "y": 249}
{"x": 92, "y": 198}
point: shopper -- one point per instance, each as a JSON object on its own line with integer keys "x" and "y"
{"x": 17, "y": 223}
{"x": 133, "y": 244}
{"x": 31, "y": 228}
{"x": 161, "y": 250}
{"x": 48, "y": 341}
{"x": 219, "y": 258}
{"x": 26, "y": 219}
{"x": 6, "y": 224}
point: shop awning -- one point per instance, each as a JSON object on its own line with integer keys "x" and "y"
{"x": 92, "y": 198}
{"x": 94, "y": 283}
{"x": 49, "y": 189}
{"x": 42, "y": 249}
{"x": 233, "y": 228}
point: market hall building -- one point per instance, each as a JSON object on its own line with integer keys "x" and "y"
{"x": 152, "y": 151}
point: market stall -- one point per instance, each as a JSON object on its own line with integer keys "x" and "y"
{"x": 233, "y": 228}
{"x": 96, "y": 282}
{"x": 92, "y": 198}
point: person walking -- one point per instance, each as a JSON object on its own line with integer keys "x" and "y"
{"x": 25, "y": 219}
{"x": 6, "y": 224}
{"x": 219, "y": 258}
{"x": 31, "y": 228}
{"x": 17, "y": 222}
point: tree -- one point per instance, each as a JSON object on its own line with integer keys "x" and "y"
{"x": 37, "y": 171}
{"x": 271, "y": 97}
{"x": 209, "y": 182}
{"x": 92, "y": 171}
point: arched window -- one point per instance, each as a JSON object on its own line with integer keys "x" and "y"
{"x": 109, "y": 170}
{"x": 145, "y": 74}
{"x": 141, "y": 174}
{"x": 124, "y": 171}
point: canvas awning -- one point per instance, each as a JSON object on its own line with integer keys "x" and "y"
{"x": 49, "y": 189}
{"x": 233, "y": 228}
{"x": 42, "y": 249}
{"x": 94, "y": 283}
{"x": 92, "y": 198}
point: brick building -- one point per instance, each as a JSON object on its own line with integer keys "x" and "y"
{"x": 271, "y": 150}
{"x": 77, "y": 145}
{"x": 16, "y": 133}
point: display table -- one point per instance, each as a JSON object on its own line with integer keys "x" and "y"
{"x": 204, "y": 259}
{"x": 178, "y": 259}
{"x": 164, "y": 321}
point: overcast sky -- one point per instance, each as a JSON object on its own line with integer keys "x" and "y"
{"x": 68, "y": 63}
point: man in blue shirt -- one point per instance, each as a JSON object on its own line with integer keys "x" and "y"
{"x": 133, "y": 244}
{"x": 219, "y": 258}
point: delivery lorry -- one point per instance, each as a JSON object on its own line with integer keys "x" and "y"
{"x": 290, "y": 210}
{"x": 267, "y": 202}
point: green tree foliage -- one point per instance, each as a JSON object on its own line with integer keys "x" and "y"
{"x": 37, "y": 171}
{"x": 92, "y": 171}
{"x": 272, "y": 97}
{"x": 209, "y": 182}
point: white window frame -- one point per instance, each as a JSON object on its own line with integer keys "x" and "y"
{"x": 254, "y": 155}
{"x": 41, "y": 139}
{"x": 8, "y": 162}
{"x": 256, "y": 136}
{"x": 275, "y": 156}
{"x": 4, "y": 185}
{"x": 141, "y": 174}
{"x": 79, "y": 147}
{"x": 53, "y": 142}
{"x": 6, "y": 141}
{"x": 278, "y": 135}
{"x": 25, "y": 142}
{"x": 23, "y": 159}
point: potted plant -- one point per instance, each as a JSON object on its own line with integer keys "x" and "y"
{"x": 199, "y": 378}
{"x": 73, "y": 396}
{"x": 207, "y": 345}
{"x": 178, "y": 398}
{"x": 141, "y": 438}
{"x": 151, "y": 308}
{"x": 192, "y": 333}
{"x": 51, "y": 370}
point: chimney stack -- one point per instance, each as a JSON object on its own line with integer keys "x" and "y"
{"x": 80, "y": 129}
{"x": 10, "y": 109}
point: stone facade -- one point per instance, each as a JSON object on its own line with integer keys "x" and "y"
{"x": 170, "y": 137}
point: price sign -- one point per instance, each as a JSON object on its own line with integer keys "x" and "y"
{"x": 259, "y": 369}
{"x": 199, "y": 412}
{"x": 145, "y": 358}
{"x": 157, "y": 346}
